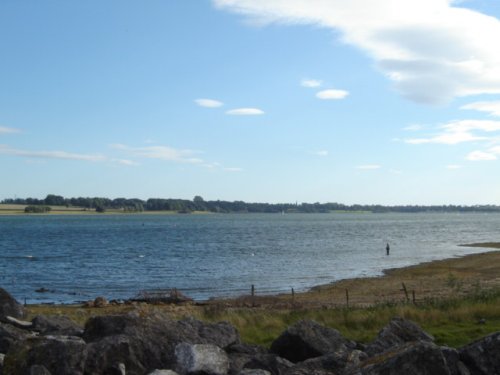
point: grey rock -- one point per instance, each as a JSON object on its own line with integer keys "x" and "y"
{"x": 9, "y": 306}
{"x": 399, "y": 331}
{"x": 414, "y": 358}
{"x": 330, "y": 363}
{"x": 2, "y": 356}
{"x": 269, "y": 362}
{"x": 247, "y": 371}
{"x": 39, "y": 370}
{"x": 145, "y": 343}
{"x": 307, "y": 339}
{"x": 201, "y": 358}
{"x": 163, "y": 372}
{"x": 60, "y": 355}
{"x": 56, "y": 325}
{"x": 118, "y": 369}
{"x": 482, "y": 357}
{"x": 455, "y": 365}
{"x": 9, "y": 335}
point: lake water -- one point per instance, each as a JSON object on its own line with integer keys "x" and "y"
{"x": 82, "y": 257}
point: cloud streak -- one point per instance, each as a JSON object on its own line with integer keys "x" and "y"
{"x": 245, "y": 112}
{"x": 311, "y": 83}
{"x": 209, "y": 103}
{"x": 432, "y": 50}
{"x": 6, "y": 150}
{"x": 7, "y": 130}
{"x": 332, "y": 94}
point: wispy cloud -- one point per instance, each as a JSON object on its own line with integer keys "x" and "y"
{"x": 460, "y": 58}
{"x": 126, "y": 162}
{"x": 369, "y": 167}
{"x": 245, "y": 112}
{"x": 453, "y": 166}
{"x": 332, "y": 94}
{"x": 7, "y": 130}
{"x": 491, "y": 107}
{"x": 209, "y": 103}
{"x": 4, "y": 149}
{"x": 162, "y": 153}
{"x": 320, "y": 153}
{"x": 413, "y": 127}
{"x": 233, "y": 169}
{"x": 311, "y": 83}
{"x": 481, "y": 156}
{"x": 460, "y": 131}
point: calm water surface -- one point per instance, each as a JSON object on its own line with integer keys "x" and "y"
{"x": 82, "y": 257}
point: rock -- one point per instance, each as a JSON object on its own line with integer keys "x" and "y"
{"x": 39, "y": 370}
{"x": 145, "y": 343}
{"x": 330, "y": 363}
{"x": 9, "y": 306}
{"x": 2, "y": 357}
{"x": 397, "y": 332}
{"x": 201, "y": 358}
{"x": 308, "y": 339}
{"x": 455, "y": 365}
{"x": 60, "y": 355}
{"x": 247, "y": 371}
{"x": 9, "y": 335}
{"x": 18, "y": 323}
{"x": 101, "y": 302}
{"x": 56, "y": 325}
{"x": 482, "y": 357}
{"x": 118, "y": 369}
{"x": 163, "y": 372}
{"x": 412, "y": 358}
{"x": 269, "y": 362}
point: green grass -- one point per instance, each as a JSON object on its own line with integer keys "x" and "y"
{"x": 453, "y": 322}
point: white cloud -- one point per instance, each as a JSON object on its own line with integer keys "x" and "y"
{"x": 162, "y": 153}
{"x": 413, "y": 127}
{"x": 245, "y": 112}
{"x": 481, "y": 156}
{"x": 321, "y": 153}
{"x": 432, "y": 50}
{"x": 4, "y": 149}
{"x": 126, "y": 162}
{"x": 332, "y": 94}
{"x": 491, "y": 107}
{"x": 369, "y": 167}
{"x": 310, "y": 83}
{"x": 460, "y": 131}
{"x": 453, "y": 166}
{"x": 233, "y": 169}
{"x": 209, "y": 103}
{"x": 6, "y": 130}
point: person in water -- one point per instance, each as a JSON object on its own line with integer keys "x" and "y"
{"x": 387, "y": 248}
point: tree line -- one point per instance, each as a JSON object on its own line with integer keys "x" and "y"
{"x": 101, "y": 204}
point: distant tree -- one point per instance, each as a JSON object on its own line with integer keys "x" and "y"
{"x": 100, "y": 209}
{"x": 37, "y": 209}
{"x": 54, "y": 200}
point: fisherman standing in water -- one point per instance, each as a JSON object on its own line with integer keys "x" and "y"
{"x": 387, "y": 248}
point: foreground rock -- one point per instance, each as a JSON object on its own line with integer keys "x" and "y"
{"x": 307, "y": 339}
{"x": 154, "y": 344}
{"x": 9, "y": 306}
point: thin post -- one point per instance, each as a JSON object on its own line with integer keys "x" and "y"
{"x": 253, "y": 295}
{"x": 347, "y": 297}
{"x": 293, "y": 295}
{"x": 406, "y": 292}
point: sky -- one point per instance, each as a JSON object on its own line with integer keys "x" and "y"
{"x": 351, "y": 101}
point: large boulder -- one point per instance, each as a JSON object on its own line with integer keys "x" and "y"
{"x": 307, "y": 339}
{"x": 415, "y": 358}
{"x": 201, "y": 359}
{"x": 482, "y": 357}
{"x": 399, "y": 331}
{"x": 332, "y": 363}
{"x": 56, "y": 325}
{"x": 241, "y": 354}
{"x": 60, "y": 355}
{"x": 9, "y": 306}
{"x": 9, "y": 335}
{"x": 146, "y": 343}
{"x": 269, "y": 362}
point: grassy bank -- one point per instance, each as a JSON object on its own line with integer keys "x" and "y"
{"x": 457, "y": 301}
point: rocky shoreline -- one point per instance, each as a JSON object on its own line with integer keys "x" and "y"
{"x": 154, "y": 344}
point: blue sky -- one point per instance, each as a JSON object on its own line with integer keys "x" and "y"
{"x": 355, "y": 101}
